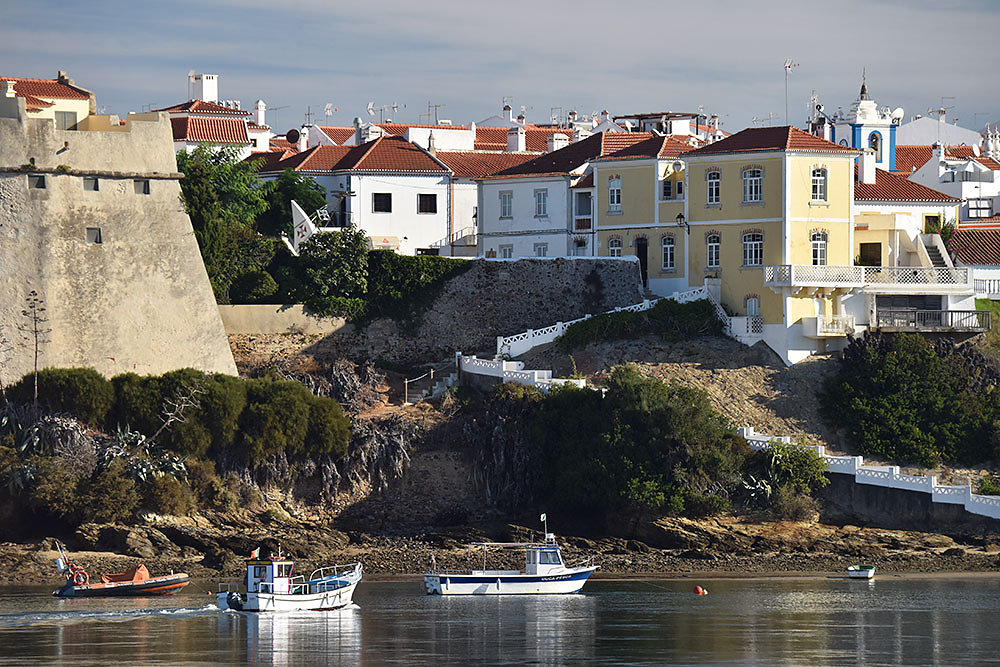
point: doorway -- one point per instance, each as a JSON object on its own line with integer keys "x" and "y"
{"x": 642, "y": 252}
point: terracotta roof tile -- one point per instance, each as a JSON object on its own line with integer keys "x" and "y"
{"x": 45, "y": 88}
{"x": 200, "y": 106}
{"x": 576, "y": 155}
{"x": 338, "y": 135}
{"x": 32, "y": 103}
{"x": 977, "y": 246}
{"x": 654, "y": 147}
{"x": 472, "y": 164}
{"x": 535, "y": 138}
{"x": 895, "y": 187}
{"x": 282, "y": 144}
{"x": 586, "y": 182}
{"x": 382, "y": 154}
{"x": 758, "y": 139}
{"x": 912, "y": 157}
{"x": 210, "y": 130}
{"x": 268, "y": 158}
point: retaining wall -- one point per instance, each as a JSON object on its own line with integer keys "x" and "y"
{"x": 274, "y": 319}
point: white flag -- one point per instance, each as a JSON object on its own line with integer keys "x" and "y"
{"x": 303, "y": 227}
{"x": 543, "y": 518}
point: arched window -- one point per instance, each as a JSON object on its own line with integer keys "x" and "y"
{"x": 875, "y": 143}
{"x": 615, "y": 248}
{"x": 753, "y": 186}
{"x": 714, "y": 179}
{"x": 819, "y": 184}
{"x": 753, "y": 249}
{"x": 615, "y": 193}
{"x": 819, "y": 248}
{"x": 753, "y": 306}
{"x": 668, "y": 252}
{"x": 714, "y": 243}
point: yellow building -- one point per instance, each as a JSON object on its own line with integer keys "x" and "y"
{"x": 638, "y": 194}
{"x": 58, "y": 99}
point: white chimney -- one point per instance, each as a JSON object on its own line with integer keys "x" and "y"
{"x": 605, "y": 116}
{"x": 516, "y": 141}
{"x": 259, "y": 109}
{"x": 521, "y": 118}
{"x": 508, "y": 112}
{"x": 430, "y": 144}
{"x": 557, "y": 141}
{"x": 942, "y": 112}
{"x": 206, "y": 87}
{"x": 358, "y": 139}
{"x": 303, "y": 138}
{"x": 866, "y": 166}
{"x": 9, "y": 92}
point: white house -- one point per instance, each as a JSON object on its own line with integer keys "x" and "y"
{"x": 967, "y": 175}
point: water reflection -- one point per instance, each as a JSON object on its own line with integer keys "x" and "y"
{"x": 293, "y": 638}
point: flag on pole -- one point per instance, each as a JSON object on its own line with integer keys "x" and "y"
{"x": 302, "y": 225}
{"x": 542, "y": 518}
{"x": 255, "y": 553}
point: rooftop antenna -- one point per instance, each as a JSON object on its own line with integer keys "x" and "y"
{"x": 435, "y": 107}
{"x": 555, "y": 115}
{"x": 789, "y": 66}
{"x": 328, "y": 111}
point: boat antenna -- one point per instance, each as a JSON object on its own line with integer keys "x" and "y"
{"x": 545, "y": 523}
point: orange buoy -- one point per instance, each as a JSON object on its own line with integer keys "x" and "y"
{"x": 698, "y": 590}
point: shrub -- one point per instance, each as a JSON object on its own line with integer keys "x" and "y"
{"x": 989, "y": 486}
{"x": 57, "y": 489}
{"x": 138, "y": 402}
{"x": 792, "y": 505}
{"x": 83, "y": 392}
{"x": 668, "y": 319}
{"x": 190, "y": 435}
{"x": 253, "y": 287}
{"x": 167, "y": 495}
{"x": 221, "y": 405}
{"x": 111, "y": 496}
{"x": 699, "y": 505}
{"x": 329, "y": 430}
{"x": 276, "y": 418}
{"x": 797, "y": 466}
{"x": 400, "y": 286}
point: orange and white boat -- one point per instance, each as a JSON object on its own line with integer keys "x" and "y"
{"x": 134, "y": 582}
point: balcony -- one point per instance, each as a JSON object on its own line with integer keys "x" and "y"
{"x": 875, "y": 279}
{"x": 828, "y": 326}
{"x": 930, "y": 321}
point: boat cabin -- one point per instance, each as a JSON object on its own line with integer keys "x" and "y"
{"x": 270, "y": 575}
{"x": 542, "y": 559}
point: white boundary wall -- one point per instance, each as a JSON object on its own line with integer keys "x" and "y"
{"x": 889, "y": 476}
{"x": 512, "y": 371}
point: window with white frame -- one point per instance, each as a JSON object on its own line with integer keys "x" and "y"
{"x": 668, "y": 252}
{"x": 668, "y": 189}
{"x": 615, "y": 248}
{"x": 752, "y": 186}
{"x": 714, "y": 179}
{"x": 615, "y": 193}
{"x": 819, "y": 184}
{"x": 714, "y": 243}
{"x": 680, "y": 189}
{"x": 541, "y": 203}
{"x": 980, "y": 208}
{"x": 541, "y": 250}
{"x": 753, "y": 306}
{"x": 753, "y": 249}
{"x": 507, "y": 204}
{"x": 506, "y": 251}
{"x": 819, "y": 248}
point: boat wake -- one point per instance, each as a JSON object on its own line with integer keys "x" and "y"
{"x": 100, "y": 615}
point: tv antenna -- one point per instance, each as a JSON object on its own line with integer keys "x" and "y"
{"x": 789, "y": 66}
{"x": 432, "y": 111}
{"x": 395, "y": 106}
{"x": 329, "y": 110}
{"x": 555, "y": 115}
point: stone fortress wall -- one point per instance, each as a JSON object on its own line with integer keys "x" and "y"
{"x": 118, "y": 267}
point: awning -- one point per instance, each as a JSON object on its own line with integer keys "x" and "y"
{"x": 383, "y": 242}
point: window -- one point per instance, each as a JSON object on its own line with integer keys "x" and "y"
{"x": 668, "y": 187}
{"x": 65, "y": 120}
{"x": 752, "y": 186}
{"x": 714, "y": 242}
{"x": 615, "y": 248}
{"x": 871, "y": 254}
{"x": 875, "y": 143}
{"x": 980, "y": 208}
{"x": 714, "y": 182}
{"x": 753, "y": 306}
{"x": 541, "y": 203}
{"x": 680, "y": 189}
{"x": 36, "y": 181}
{"x": 819, "y": 184}
{"x": 90, "y": 183}
{"x": 507, "y": 204}
{"x": 549, "y": 558}
{"x": 141, "y": 186}
{"x": 541, "y": 250}
{"x": 819, "y": 248}
{"x": 506, "y": 251}
{"x": 583, "y": 203}
{"x": 381, "y": 202}
{"x": 668, "y": 252}
{"x": 94, "y": 235}
{"x": 753, "y": 249}
{"x": 427, "y": 203}
{"x": 429, "y": 251}
{"x": 615, "y": 193}
{"x": 284, "y": 570}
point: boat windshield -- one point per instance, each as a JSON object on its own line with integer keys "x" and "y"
{"x": 549, "y": 557}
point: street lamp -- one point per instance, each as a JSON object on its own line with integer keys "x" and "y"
{"x": 681, "y": 222}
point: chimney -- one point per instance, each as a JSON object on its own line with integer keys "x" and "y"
{"x": 866, "y": 166}
{"x": 63, "y": 79}
{"x": 516, "y": 142}
{"x": 206, "y": 87}
{"x": 9, "y": 90}
{"x": 521, "y": 118}
{"x": 605, "y": 116}
{"x": 303, "y": 138}
{"x": 571, "y": 117}
{"x": 557, "y": 141}
{"x": 942, "y": 113}
{"x": 508, "y": 112}
{"x": 358, "y": 139}
{"x": 430, "y": 144}
{"x": 259, "y": 109}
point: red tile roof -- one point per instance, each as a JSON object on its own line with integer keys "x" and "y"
{"x": 45, "y": 88}
{"x": 896, "y": 187}
{"x": 268, "y": 158}
{"x": 282, "y": 144}
{"x": 382, "y": 154}
{"x": 977, "y": 246}
{"x": 210, "y": 130}
{"x": 535, "y": 138}
{"x": 32, "y": 103}
{"x": 784, "y": 138}
{"x": 585, "y": 182}
{"x": 200, "y": 106}
{"x": 471, "y": 164}
{"x": 654, "y": 147}
{"x": 337, "y": 134}
{"x": 909, "y": 158}
{"x": 572, "y": 157}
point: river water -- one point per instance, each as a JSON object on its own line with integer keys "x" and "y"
{"x": 821, "y": 621}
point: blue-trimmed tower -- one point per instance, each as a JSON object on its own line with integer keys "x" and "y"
{"x": 866, "y": 126}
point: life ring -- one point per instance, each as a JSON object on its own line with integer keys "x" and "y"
{"x": 81, "y": 578}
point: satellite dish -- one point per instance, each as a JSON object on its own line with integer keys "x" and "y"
{"x": 292, "y": 136}
{"x": 897, "y": 113}
{"x": 371, "y": 108}
{"x": 328, "y": 109}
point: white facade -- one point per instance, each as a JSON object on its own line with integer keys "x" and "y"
{"x": 929, "y": 130}
{"x": 525, "y": 217}
{"x": 404, "y": 228}
{"x": 967, "y": 179}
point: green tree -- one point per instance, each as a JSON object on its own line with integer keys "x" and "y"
{"x": 277, "y": 217}
{"x": 336, "y": 267}
{"x": 84, "y": 392}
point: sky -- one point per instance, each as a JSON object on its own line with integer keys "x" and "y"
{"x": 724, "y": 56}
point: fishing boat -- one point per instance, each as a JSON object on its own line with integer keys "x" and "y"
{"x": 271, "y": 585}
{"x": 545, "y": 573}
{"x": 861, "y": 571}
{"x": 135, "y": 582}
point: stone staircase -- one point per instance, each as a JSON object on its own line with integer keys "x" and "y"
{"x": 935, "y": 256}
{"x": 438, "y": 379}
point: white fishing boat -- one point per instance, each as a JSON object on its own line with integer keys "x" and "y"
{"x": 271, "y": 585}
{"x": 861, "y": 571}
{"x": 545, "y": 573}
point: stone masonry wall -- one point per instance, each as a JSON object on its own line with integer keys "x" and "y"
{"x": 138, "y": 301}
{"x": 499, "y": 298}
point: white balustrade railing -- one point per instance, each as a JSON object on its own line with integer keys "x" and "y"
{"x": 916, "y": 275}
{"x": 805, "y": 275}
{"x": 986, "y": 286}
{"x": 513, "y": 371}
{"x": 890, "y": 477}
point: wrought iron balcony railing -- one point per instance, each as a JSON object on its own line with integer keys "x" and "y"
{"x": 933, "y": 320}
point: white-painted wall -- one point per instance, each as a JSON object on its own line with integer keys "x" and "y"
{"x": 414, "y": 230}
{"x": 926, "y": 131}
{"x": 523, "y": 230}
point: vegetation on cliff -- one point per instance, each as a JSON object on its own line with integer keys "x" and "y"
{"x": 669, "y": 319}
